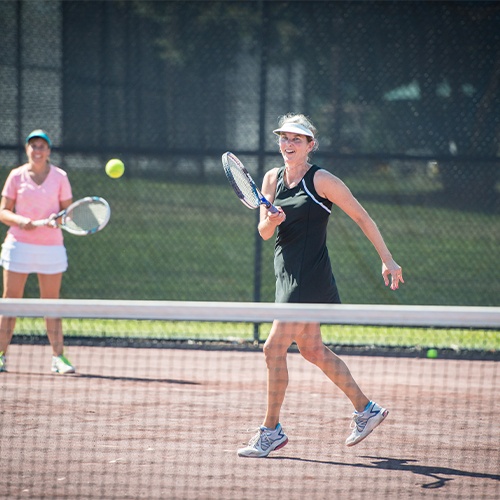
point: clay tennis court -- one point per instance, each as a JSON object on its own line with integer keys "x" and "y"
{"x": 166, "y": 423}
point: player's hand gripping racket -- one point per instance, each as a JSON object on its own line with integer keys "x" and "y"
{"x": 243, "y": 184}
{"x": 85, "y": 216}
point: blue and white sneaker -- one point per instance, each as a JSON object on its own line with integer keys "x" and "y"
{"x": 265, "y": 441}
{"x": 364, "y": 422}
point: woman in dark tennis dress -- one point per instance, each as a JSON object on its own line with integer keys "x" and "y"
{"x": 304, "y": 194}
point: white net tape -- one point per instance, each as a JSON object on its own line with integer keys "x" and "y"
{"x": 349, "y": 314}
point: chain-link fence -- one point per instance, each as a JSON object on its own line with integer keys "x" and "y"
{"x": 405, "y": 96}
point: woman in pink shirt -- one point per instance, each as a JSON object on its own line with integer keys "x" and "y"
{"x": 35, "y": 190}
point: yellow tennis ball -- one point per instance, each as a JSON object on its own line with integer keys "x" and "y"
{"x": 432, "y": 353}
{"x": 115, "y": 168}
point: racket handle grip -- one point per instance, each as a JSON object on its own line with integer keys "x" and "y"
{"x": 44, "y": 222}
{"x": 272, "y": 208}
{"x": 41, "y": 222}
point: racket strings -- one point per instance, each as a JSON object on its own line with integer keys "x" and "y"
{"x": 243, "y": 186}
{"x": 87, "y": 216}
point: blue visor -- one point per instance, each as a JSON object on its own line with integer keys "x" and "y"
{"x": 39, "y": 133}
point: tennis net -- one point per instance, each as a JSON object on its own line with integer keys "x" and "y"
{"x": 165, "y": 393}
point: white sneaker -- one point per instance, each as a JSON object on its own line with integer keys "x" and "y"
{"x": 61, "y": 364}
{"x": 364, "y": 422}
{"x": 3, "y": 362}
{"x": 265, "y": 441}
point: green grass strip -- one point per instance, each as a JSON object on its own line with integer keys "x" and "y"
{"x": 457, "y": 339}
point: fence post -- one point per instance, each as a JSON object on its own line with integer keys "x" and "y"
{"x": 261, "y": 156}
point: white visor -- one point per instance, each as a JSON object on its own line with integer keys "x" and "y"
{"x": 294, "y": 128}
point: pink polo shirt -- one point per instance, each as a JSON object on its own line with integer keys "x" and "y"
{"x": 37, "y": 202}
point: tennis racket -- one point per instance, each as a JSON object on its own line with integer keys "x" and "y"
{"x": 243, "y": 184}
{"x": 85, "y": 216}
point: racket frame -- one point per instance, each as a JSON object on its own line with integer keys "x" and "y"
{"x": 63, "y": 214}
{"x": 259, "y": 197}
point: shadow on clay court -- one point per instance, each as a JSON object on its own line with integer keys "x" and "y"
{"x": 405, "y": 465}
{"x": 113, "y": 377}
{"x": 137, "y": 379}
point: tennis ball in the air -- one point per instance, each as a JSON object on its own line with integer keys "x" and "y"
{"x": 115, "y": 168}
{"x": 432, "y": 353}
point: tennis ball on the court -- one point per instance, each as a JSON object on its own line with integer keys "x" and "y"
{"x": 432, "y": 353}
{"x": 115, "y": 168}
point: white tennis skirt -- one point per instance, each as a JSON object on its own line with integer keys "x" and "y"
{"x": 27, "y": 258}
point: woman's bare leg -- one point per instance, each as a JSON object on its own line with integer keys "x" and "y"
{"x": 50, "y": 287}
{"x": 311, "y": 346}
{"x": 275, "y": 351}
{"x": 13, "y": 288}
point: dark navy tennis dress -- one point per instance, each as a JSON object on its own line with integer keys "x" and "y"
{"x": 301, "y": 262}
